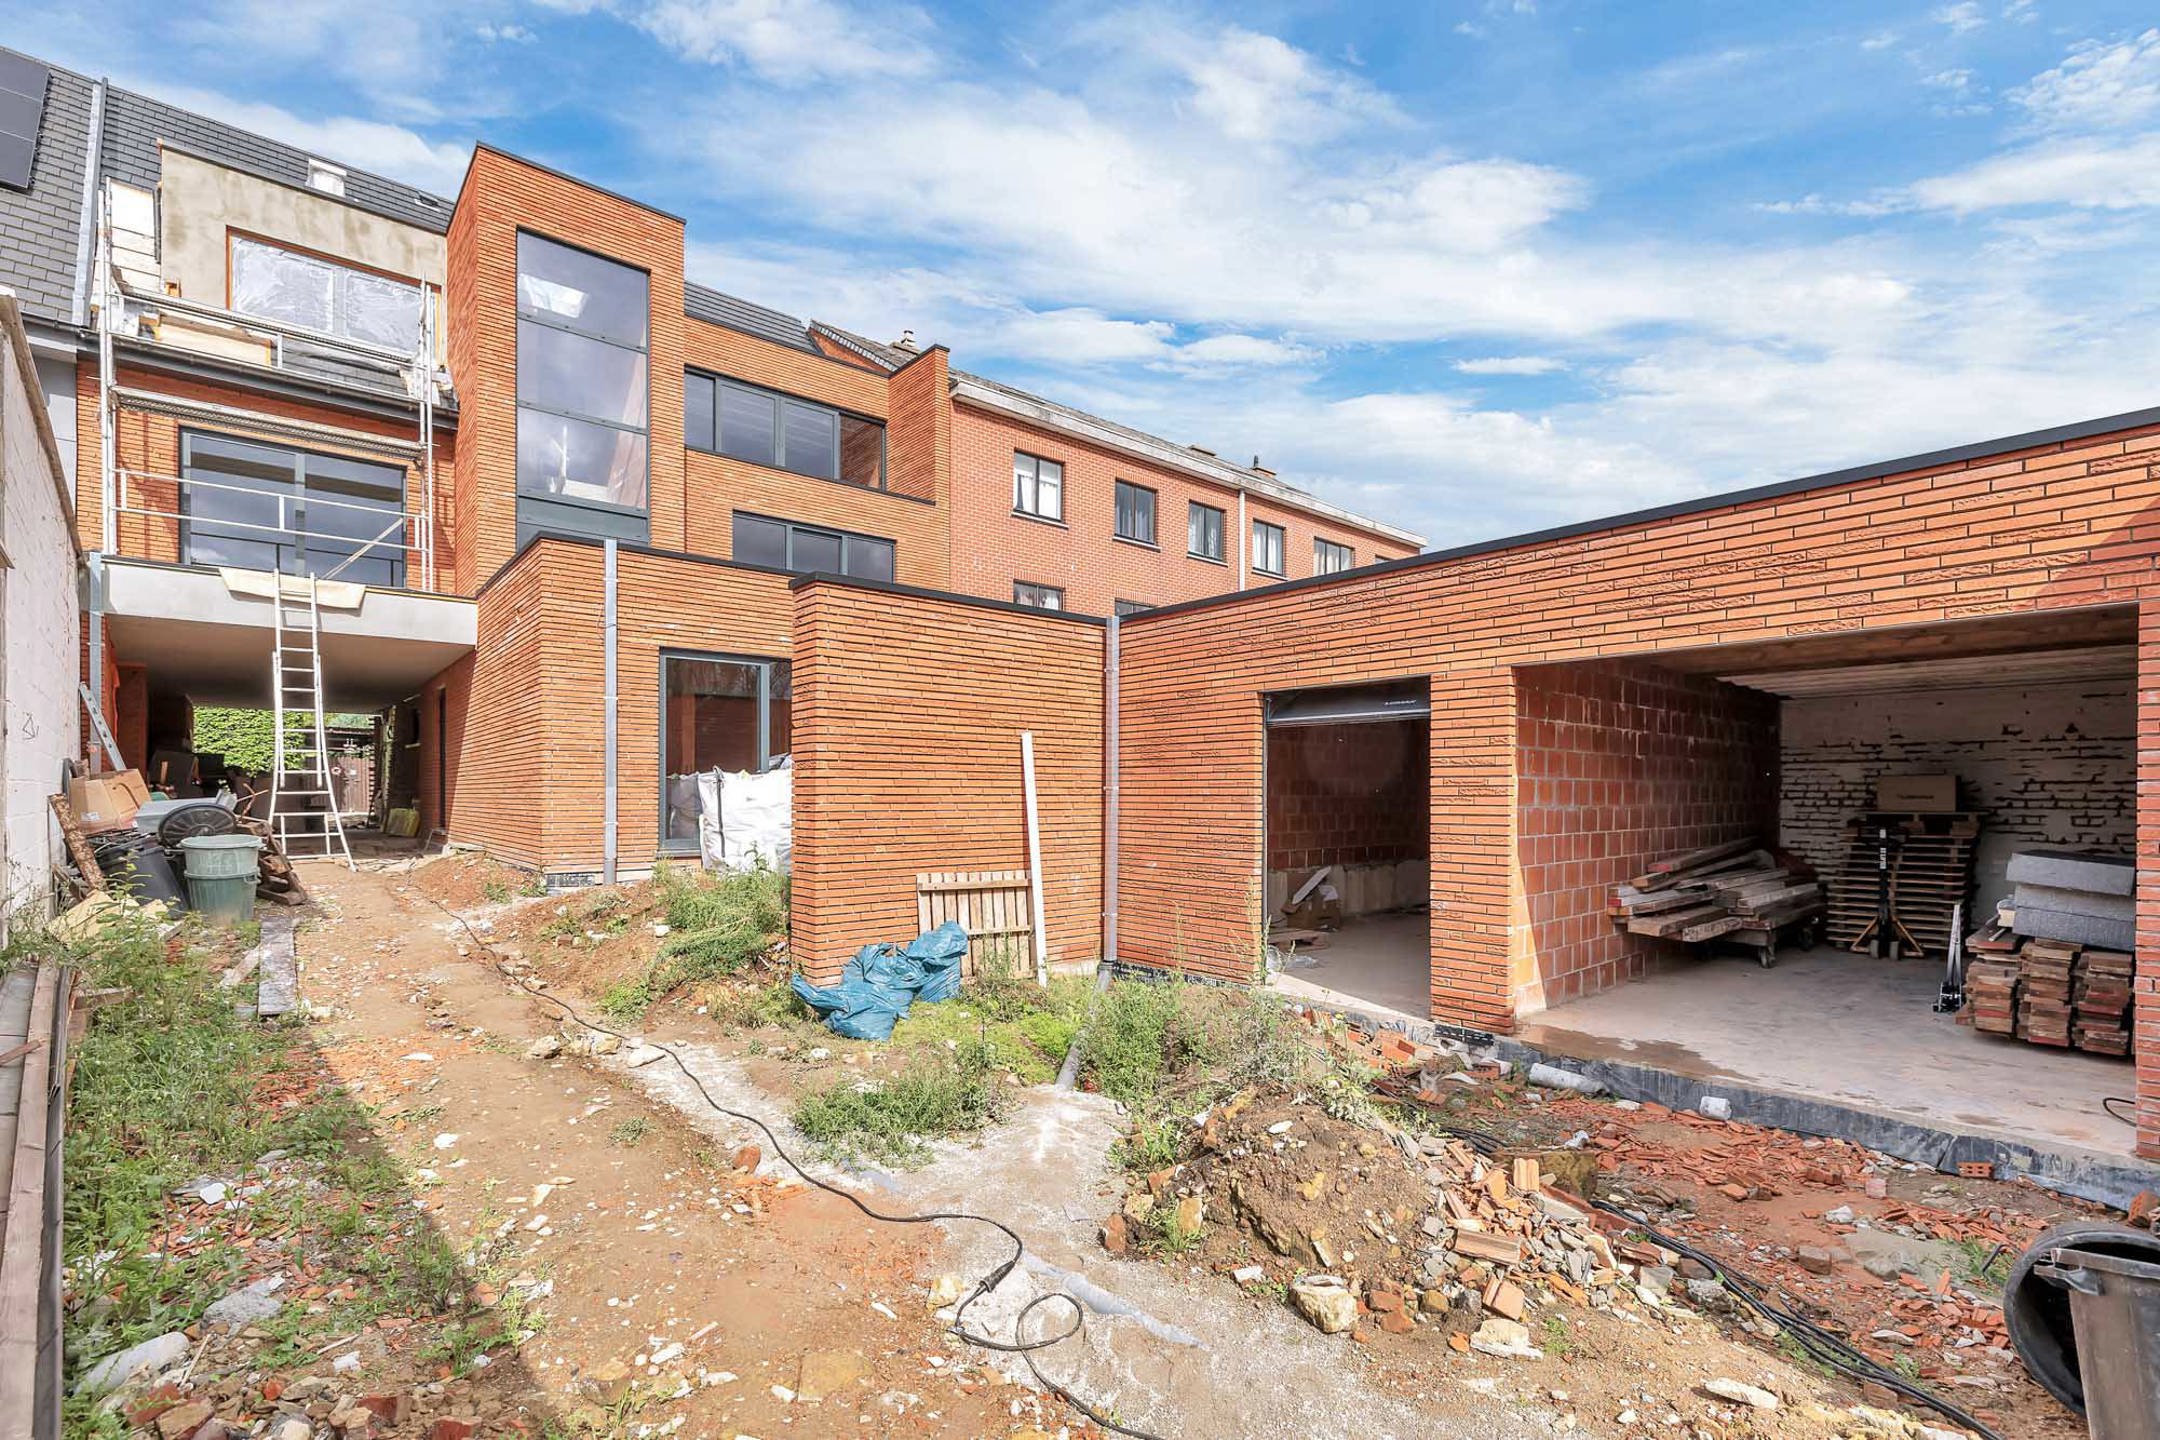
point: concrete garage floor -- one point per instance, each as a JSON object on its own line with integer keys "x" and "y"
{"x": 1850, "y": 1028}
{"x": 1380, "y": 964}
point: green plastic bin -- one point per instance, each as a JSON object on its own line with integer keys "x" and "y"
{"x": 221, "y": 876}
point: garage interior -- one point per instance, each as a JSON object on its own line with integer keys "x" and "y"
{"x": 1622, "y": 764}
{"x": 1348, "y": 785}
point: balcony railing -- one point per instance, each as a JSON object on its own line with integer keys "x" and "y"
{"x": 304, "y": 533}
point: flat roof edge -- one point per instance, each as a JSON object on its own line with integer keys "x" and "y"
{"x": 1776, "y": 489}
{"x": 924, "y": 592}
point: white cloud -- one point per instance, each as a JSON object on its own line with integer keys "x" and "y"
{"x": 504, "y": 34}
{"x": 386, "y": 149}
{"x": 1241, "y": 352}
{"x": 1255, "y": 87}
{"x": 1511, "y": 365}
{"x": 2020, "y": 12}
{"x": 1961, "y": 18}
{"x": 2099, "y": 87}
{"x": 1880, "y": 40}
{"x": 2090, "y": 173}
{"x": 793, "y": 41}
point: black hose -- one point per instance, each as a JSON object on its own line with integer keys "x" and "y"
{"x": 1025, "y": 1349}
{"x": 1821, "y": 1345}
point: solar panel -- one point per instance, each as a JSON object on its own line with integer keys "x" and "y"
{"x": 22, "y": 107}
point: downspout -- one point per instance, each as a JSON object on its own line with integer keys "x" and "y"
{"x": 607, "y": 709}
{"x": 1110, "y": 794}
{"x": 85, "y": 247}
{"x": 1243, "y": 542}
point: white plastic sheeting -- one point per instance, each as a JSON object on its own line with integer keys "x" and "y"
{"x": 744, "y": 817}
{"x": 317, "y": 294}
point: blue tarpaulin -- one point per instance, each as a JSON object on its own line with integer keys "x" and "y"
{"x": 883, "y": 980}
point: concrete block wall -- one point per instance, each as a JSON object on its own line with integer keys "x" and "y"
{"x": 1346, "y": 794}
{"x": 2048, "y": 764}
{"x": 1619, "y": 764}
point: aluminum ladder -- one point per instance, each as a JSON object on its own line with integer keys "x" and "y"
{"x": 301, "y": 752}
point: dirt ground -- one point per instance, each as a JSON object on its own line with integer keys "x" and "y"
{"x": 625, "y": 1207}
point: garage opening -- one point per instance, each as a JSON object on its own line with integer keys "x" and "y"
{"x": 1916, "y": 777}
{"x": 1348, "y": 786}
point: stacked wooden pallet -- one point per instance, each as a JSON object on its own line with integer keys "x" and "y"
{"x": 1991, "y": 994}
{"x": 2102, "y": 999}
{"x": 1716, "y": 891}
{"x": 2044, "y": 976}
{"x": 1896, "y": 891}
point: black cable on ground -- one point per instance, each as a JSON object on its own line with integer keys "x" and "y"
{"x": 2110, "y": 1102}
{"x": 1025, "y": 1349}
{"x": 1821, "y": 1345}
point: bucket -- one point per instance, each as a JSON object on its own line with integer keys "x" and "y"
{"x": 221, "y": 875}
{"x": 136, "y": 867}
{"x": 2115, "y": 1311}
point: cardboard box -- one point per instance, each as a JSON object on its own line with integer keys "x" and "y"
{"x": 1922, "y": 793}
{"x": 107, "y": 801}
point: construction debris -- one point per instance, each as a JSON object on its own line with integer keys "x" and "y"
{"x": 2053, "y": 993}
{"x": 1734, "y": 889}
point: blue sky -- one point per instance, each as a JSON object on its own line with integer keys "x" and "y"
{"x": 1473, "y": 267}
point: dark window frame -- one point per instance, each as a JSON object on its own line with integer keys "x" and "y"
{"x": 833, "y": 532}
{"x": 1222, "y": 530}
{"x": 782, "y": 398}
{"x": 1057, "y": 590}
{"x": 764, "y": 664}
{"x": 395, "y": 555}
{"x": 1321, "y": 548}
{"x": 550, "y": 321}
{"x": 1122, "y": 608}
{"x": 1032, "y": 512}
{"x": 1118, "y": 490}
{"x": 1281, "y": 548}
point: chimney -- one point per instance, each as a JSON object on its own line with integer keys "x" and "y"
{"x": 1259, "y": 469}
{"x": 906, "y": 341}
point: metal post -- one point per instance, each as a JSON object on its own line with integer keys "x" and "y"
{"x": 427, "y": 438}
{"x": 108, "y": 431}
{"x": 1035, "y": 862}
{"x": 1243, "y": 541}
{"x": 94, "y": 569}
{"x": 1110, "y": 794}
{"x": 607, "y": 722}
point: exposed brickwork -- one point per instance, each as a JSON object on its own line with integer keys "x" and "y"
{"x": 1618, "y": 764}
{"x": 993, "y": 547}
{"x": 1346, "y": 794}
{"x": 445, "y": 706}
{"x": 908, "y": 713}
{"x": 2058, "y": 525}
{"x": 2045, "y": 764}
{"x": 920, "y": 441}
{"x": 2146, "y": 1046}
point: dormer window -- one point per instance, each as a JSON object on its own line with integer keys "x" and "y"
{"x": 326, "y": 177}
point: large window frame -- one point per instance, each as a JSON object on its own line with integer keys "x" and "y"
{"x": 712, "y": 438}
{"x": 1269, "y": 542}
{"x": 1029, "y": 488}
{"x": 297, "y": 540}
{"x": 1331, "y": 557}
{"x": 1134, "y": 509}
{"x": 544, "y": 317}
{"x": 848, "y": 540}
{"x": 767, "y": 669}
{"x": 1201, "y": 521}
{"x": 341, "y": 275}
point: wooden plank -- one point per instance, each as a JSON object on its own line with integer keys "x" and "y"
{"x": 1704, "y": 856}
{"x": 1711, "y": 929}
{"x": 78, "y": 847}
{"x": 22, "y": 1228}
{"x": 1666, "y": 926}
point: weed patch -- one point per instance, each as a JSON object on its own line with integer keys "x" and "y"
{"x": 719, "y": 926}
{"x": 941, "y": 1092}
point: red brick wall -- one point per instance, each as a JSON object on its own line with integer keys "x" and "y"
{"x": 2048, "y": 526}
{"x": 2147, "y": 1014}
{"x": 919, "y": 445}
{"x": 1346, "y": 794}
{"x": 1619, "y": 763}
{"x": 908, "y": 713}
{"x": 993, "y": 547}
{"x": 445, "y": 702}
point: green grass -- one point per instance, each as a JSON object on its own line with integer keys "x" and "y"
{"x": 630, "y": 1131}
{"x": 1554, "y": 1340}
{"x": 720, "y": 925}
{"x": 1027, "y": 1027}
{"x": 940, "y": 1092}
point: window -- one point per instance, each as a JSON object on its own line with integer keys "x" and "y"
{"x": 1128, "y": 607}
{"x": 270, "y": 507}
{"x": 763, "y": 427}
{"x": 1038, "y": 487}
{"x": 1041, "y": 597}
{"x": 1329, "y": 558}
{"x": 807, "y": 549}
{"x": 583, "y": 389}
{"x": 1204, "y": 532}
{"x": 1135, "y": 512}
{"x": 717, "y": 713}
{"x": 1267, "y": 548}
{"x": 317, "y": 294}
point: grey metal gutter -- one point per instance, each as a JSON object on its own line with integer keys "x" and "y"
{"x": 607, "y": 710}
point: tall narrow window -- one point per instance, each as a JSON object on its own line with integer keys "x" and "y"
{"x": 1203, "y": 532}
{"x": 1329, "y": 558}
{"x": 1135, "y": 512}
{"x": 583, "y": 389}
{"x": 1267, "y": 548}
{"x": 1038, "y": 487}
{"x": 717, "y": 713}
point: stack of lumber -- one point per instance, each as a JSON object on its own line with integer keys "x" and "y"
{"x": 2044, "y": 970}
{"x": 1897, "y": 889}
{"x": 1991, "y": 985}
{"x": 1716, "y": 891}
{"x": 2101, "y": 994}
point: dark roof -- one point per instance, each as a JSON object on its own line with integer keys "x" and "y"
{"x": 135, "y": 124}
{"x": 41, "y": 228}
{"x": 702, "y": 302}
{"x": 892, "y": 357}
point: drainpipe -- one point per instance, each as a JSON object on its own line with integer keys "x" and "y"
{"x": 94, "y": 583}
{"x": 607, "y": 714}
{"x": 1110, "y": 793}
{"x": 1243, "y": 542}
